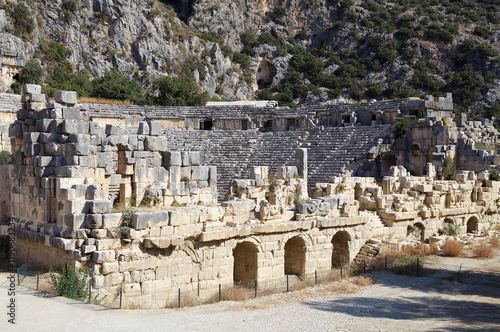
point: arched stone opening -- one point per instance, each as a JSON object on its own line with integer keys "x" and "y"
{"x": 416, "y": 231}
{"x": 416, "y": 159}
{"x": 472, "y": 225}
{"x": 245, "y": 262}
{"x": 340, "y": 251}
{"x": 295, "y": 256}
{"x": 387, "y": 160}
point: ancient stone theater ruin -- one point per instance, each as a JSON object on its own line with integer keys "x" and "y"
{"x": 156, "y": 199}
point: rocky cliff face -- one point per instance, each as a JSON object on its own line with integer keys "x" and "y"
{"x": 146, "y": 39}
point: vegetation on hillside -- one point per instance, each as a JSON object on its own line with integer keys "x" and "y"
{"x": 369, "y": 49}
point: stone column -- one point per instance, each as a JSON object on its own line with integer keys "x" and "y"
{"x": 301, "y": 163}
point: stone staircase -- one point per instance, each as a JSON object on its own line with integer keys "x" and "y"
{"x": 368, "y": 251}
{"x": 234, "y": 151}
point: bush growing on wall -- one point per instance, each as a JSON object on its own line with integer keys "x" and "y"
{"x": 71, "y": 283}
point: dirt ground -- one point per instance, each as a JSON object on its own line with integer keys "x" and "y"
{"x": 435, "y": 301}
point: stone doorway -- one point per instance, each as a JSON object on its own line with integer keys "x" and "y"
{"x": 245, "y": 262}
{"x": 340, "y": 252}
{"x": 472, "y": 225}
{"x": 295, "y": 256}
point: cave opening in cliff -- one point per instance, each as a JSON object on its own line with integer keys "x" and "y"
{"x": 183, "y": 8}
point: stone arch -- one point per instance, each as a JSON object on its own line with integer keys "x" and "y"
{"x": 245, "y": 261}
{"x": 473, "y": 224}
{"x": 252, "y": 239}
{"x": 295, "y": 256}
{"x": 340, "y": 251}
{"x": 416, "y": 231}
{"x": 306, "y": 237}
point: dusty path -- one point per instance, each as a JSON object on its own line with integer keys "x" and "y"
{"x": 435, "y": 302}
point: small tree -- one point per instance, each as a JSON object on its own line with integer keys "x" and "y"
{"x": 448, "y": 168}
{"x": 71, "y": 283}
{"x": 23, "y": 23}
{"x": 401, "y": 126}
{"x": 31, "y": 73}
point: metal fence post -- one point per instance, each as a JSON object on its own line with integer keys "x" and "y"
{"x": 340, "y": 271}
{"x": 90, "y": 288}
{"x": 460, "y": 269}
{"x": 315, "y": 277}
{"x": 364, "y": 266}
{"x": 220, "y": 292}
{"x": 121, "y": 296}
{"x": 256, "y": 287}
{"x": 37, "y": 279}
{"x": 287, "y": 284}
{"x": 179, "y": 298}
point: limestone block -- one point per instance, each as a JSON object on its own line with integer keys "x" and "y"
{"x": 114, "y": 279}
{"x": 94, "y": 192}
{"x": 87, "y": 249}
{"x": 30, "y": 89}
{"x": 75, "y": 149}
{"x": 141, "y": 220}
{"x": 180, "y": 217}
{"x": 175, "y": 174}
{"x": 160, "y": 218}
{"x": 155, "y": 128}
{"x": 239, "y": 207}
{"x": 16, "y": 130}
{"x": 71, "y": 113}
{"x": 109, "y": 267}
{"x": 194, "y": 158}
{"x": 185, "y": 158}
{"x": 99, "y": 233}
{"x": 171, "y": 158}
{"x": 143, "y": 128}
{"x": 100, "y": 206}
{"x": 65, "y": 97}
{"x": 112, "y": 129}
{"x": 93, "y": 221}
{"x": 74, "y": 221}
{"x": 103, "y": 256}
{"x": 213, "y": 177}
{"x": 177, "y": 240}
{"x": 186, "y": 172}
{"x": 155, "y": 143}
{"x": 111, "y": 220}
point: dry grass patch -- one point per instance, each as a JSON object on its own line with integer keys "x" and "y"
{"x": 452, "y": 248}
{"x": 362, "y": 281}
{"x": 342, "y": 287}
{"x": 90, "y": 100}
{"x": 495, "y": 241}
{"x": 235, "y": 293}
{"x": 483, "y": 251}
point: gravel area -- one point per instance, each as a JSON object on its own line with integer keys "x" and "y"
{"x": 435, "y": 301}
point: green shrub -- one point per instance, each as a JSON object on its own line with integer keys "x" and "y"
{"x": 126, "y": 221}
{"x": 4, "y": 157}
{"x": 482, "y": 31}
{"x": 23, "y": 23}
{"x": 494, "y": 176}
{"x": 401, "y": 126}
{"x": 54, "y": 51}
{"x": 113, "y": 85}
{"x": 243, "y": 59}
{"x": 71, "y": 283}
{"x": 375, "y": 90}
{"x": 179, "y": 91}
{"x": 279, "y": 12}
{"x": 448, "y": 168}
{"x": 31, "y": 73}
